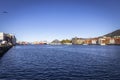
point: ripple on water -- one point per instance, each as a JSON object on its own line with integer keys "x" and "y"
{"x": 61, "y": 62}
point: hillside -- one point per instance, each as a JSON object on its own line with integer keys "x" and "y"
{"x": 114, "y": 33}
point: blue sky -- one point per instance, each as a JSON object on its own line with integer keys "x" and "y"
{"x": 36, "y": 20}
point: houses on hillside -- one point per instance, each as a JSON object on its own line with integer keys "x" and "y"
{"x": 97, "y": 41}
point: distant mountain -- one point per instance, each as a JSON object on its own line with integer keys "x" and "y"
{"x": 114, "y": 33}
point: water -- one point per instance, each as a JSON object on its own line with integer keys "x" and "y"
{"x": 73, "y": 62}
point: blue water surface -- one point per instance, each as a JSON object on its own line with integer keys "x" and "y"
{"x": 61, "y": 62}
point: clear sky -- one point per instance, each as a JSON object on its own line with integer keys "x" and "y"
{"x": 36, "y": 20}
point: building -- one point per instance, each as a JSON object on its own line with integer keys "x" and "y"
{"x": 77, "y": 40}
{"x": 94, "y": 41}
{"x": 117, "y": 41}
{"x": 87, "y": 41}
{"x": 3, "y": 36}
{"x": 112, "y": 41}
{"x": 102, "y": 41}
{"x": 10, "y": 39}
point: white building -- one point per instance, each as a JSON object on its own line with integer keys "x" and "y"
{"x": 9, "y": 38}
{"x": 101, "y": 41}
{"x": 112, "y": 41}
{"x": 2, "y": 36}
{"x": 94, "y": 41}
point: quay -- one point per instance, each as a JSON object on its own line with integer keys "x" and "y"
{"x": 6, "y": 42}
{"x": 4, "y": 49}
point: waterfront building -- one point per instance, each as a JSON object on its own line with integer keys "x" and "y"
{"x": 13, "y": 39}
{"x": 39, "y": 42}
{"x": 43, "y": 42}
{"x": 94, "y": 41}
{"x": 36, "y": 42}
{"x": 116, "y": 36}
{"x": 9, "y": 39}
{"x": 112, "y": 41}
{"x": 117, "y": 41}
{"x": 87, "y": 41}
{"x": 3, "y": 36}
{"x": 77, "y": 40}
{"x": 102, "y": 41}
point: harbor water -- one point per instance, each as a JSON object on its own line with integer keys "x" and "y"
{"x": 61, "y": 62}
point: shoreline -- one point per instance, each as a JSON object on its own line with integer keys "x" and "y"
{"x": 4, "y": 49}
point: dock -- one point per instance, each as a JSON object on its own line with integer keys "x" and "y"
{"x": 4, "y": 49}
{"x": 6, "y": 42}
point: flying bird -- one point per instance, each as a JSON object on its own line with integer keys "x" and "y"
{"x": 4, "y": 12}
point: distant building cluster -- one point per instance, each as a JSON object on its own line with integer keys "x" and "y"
{"x": 97, "y": 41}
{"x": 78, "y": 41}
{"x": 22, "y": 42}
{"x": 7, "y": 39}
{"x": 39, "y": 42}
{"x": 35, "y": 42}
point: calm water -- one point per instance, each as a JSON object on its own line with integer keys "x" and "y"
{"x": 45, "y": 62}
